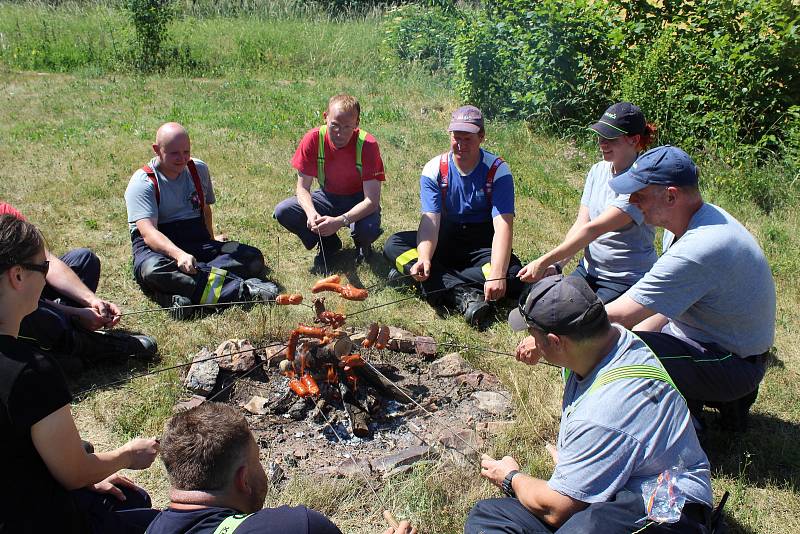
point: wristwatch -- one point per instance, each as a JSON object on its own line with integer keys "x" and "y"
{"x": 345, "y": 219}
{"x": 506, "y": 485}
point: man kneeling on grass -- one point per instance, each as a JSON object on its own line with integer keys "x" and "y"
{"x": 217, "y": 483}
{"x": 623, "y": 425}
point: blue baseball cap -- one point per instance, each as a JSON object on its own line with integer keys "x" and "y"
{"x": 663, "y": 165}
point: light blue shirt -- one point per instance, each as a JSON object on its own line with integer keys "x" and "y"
{"x": 623, "y": 255}
{"x": 714, "y": 284}
{"x": 176, "y": 195}
{"x": 626, "y": 432}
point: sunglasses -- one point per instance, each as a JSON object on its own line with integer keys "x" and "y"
{"x": 43, "y": 267}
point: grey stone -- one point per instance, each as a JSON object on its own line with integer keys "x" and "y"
{"x": 425, "y": 347}
{"x": 202, "y": 375}
{"x": 275, "y": 473}
{"x": 191, "y": 402}
{"x": 405, "y": 457}
{"x": 450, "y": 365}
{"x": 477, "y": 379}
{"x": 492, "y": 402}
{"x": 401, "y": 340}
{"x": 353, "y": 467}
{"x": 300, "y": 454}
{"x": 357, "y": 337}
{"x": 236, "y": 355}
{"x": 274, "y": 353}
{"x": 464, "y": 441}
{"x": 298, "y": 410}
{"x": 257, "y": 405}
{"x": 493, "y": 428}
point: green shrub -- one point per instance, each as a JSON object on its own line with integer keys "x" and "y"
{"x": 151, "y": 19}
{"x": 719, "y": 75}
{"x": 422, "y": 35}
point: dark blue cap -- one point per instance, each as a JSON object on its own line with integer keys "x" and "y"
{"x": 558, "y": 304}
{"x": 663, "y": 165}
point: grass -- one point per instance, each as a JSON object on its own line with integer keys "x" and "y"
{"x": 73, "y": 131}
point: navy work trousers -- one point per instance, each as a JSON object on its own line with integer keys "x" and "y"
{"x": 462, "y": 256}
{"x": 159, "y": 274}
{"x": 706, "y": 372}
{"x": 606, "y": 290}
{"x": 623, "y": 515}
{"x": 105, "y": 514}
{"x": 48, "y": 326}
{"x": 291, "y": 216}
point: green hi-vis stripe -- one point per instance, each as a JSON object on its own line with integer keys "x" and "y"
{"x": 231, "y": 523}
{"x": 632, "y": 371}
{"x": 362, "y": 136}
{"x": 213, "y": 289}
{"x": 487, "y": 267}
{"x": 405, "y": 257}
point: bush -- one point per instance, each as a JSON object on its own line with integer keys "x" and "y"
{"x": 417, "y": 34}
{"x": 151, "y": 18}
{"x": 720, "y": 75}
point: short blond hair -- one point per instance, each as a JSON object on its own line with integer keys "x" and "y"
{"x": 345, "y": 103}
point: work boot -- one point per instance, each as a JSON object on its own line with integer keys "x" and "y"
{"x": 100, "y": 345}
{"x": 181, "y": 308}
{"x": 260, "y": 290}
{"x": 363, "y": 254}
{"x": 330, "y": 245}
{"x": 397, "y": 279}
{"x": 734, "y": 415}
{"x": 471, "y": 303}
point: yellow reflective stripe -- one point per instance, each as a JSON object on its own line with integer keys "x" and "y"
{"x": 231, "y": 523}
{"x": 362, "y": 136}
{"x": 213, "y": 289}
{"x": 486, "y": 269}
{"x": 405, "y": 257}
{"x": 565, "y": 374}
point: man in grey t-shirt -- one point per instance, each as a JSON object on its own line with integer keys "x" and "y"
{"x": 623, "y": 424}
{"x": 176, "y": 256}
{"x": 707, "y": 307}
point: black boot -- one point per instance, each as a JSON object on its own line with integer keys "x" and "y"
{"x": 734, "y": 415}
{"x": 100, "y": 345}
{"x": 471, "y": 303}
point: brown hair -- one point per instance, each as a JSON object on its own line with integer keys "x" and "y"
{"x": 345, "y": 103}
{"x": 203, "y": 447}
{"x": 19, "y": 241}
{"x": 647, "y": 137}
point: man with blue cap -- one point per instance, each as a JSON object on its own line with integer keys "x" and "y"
{"x": 623, "y": 425}
{"x": 707, "y": 306}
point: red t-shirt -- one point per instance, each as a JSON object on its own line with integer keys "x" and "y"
{"x": 8, "y": 209}
{"x": 341, "y": 174}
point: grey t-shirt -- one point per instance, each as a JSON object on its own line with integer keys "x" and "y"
{"x": 626, "y": 433}
{"x": 714, "y": 284}
{"x": 177, "y": 202}
{"x": 624, "y": 255}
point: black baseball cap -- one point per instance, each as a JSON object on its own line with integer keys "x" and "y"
{"x": 663, "y": 165}
{"x": 558, "y": 304}
{"x": 622, "y": 118}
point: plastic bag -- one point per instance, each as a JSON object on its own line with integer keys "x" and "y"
{"x": 663, "y": 498}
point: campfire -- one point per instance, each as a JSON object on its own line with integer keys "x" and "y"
{"x": 329, "y": 383}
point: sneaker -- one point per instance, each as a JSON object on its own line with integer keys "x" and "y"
{"x": 260, "y": 290}
{"x": 363, "y": 254}
{"x": 93, "y": 346}
{"x": 471, "y": 303}
{"x": 332, "y": 244}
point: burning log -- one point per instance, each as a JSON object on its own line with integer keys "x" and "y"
{"x": 358, "y": 415}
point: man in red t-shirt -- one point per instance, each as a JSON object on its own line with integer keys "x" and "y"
{"x": 350, "y": 186}
{"x": 71, "y": 319}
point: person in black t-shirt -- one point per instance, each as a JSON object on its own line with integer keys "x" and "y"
{"x": 50, "y": 482}
{"x": 217, "y": 483}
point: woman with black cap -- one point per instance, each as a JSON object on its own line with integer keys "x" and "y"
{"x": 618, "y": 245}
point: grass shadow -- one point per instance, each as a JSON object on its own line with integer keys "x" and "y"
{"x": 763, "y": 455}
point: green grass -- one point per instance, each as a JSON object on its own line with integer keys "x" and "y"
{"x": 73, "y": 130}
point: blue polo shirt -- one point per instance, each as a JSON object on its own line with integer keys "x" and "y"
{"x": 466, "y": 200}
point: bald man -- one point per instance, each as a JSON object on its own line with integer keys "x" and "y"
{"x": 176, "y": 257}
